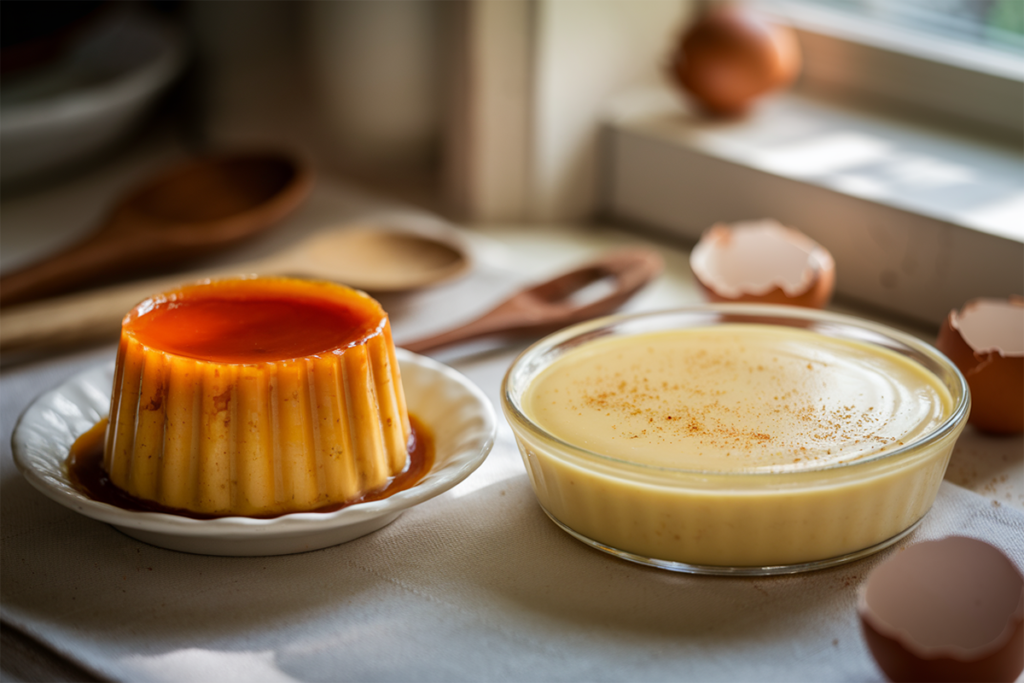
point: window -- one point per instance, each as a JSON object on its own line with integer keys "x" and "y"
{"x": 962, "y": 60}
{"x": 899, "y": 151}
{"x": 994, "y": 24}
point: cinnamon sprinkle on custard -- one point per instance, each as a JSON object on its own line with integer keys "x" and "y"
{"x": 778, "y": 398}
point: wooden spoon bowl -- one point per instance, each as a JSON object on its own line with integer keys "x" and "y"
{"x": 194, "y": 209}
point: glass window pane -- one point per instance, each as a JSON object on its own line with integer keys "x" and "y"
{"x": 998, "y": 24}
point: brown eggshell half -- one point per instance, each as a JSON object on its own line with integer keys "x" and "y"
{"x": 985, "y": 339}
{"x": 945, "y": 610}
{"x": 763, "y": 262}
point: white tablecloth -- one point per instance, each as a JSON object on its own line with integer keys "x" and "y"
{"x": 475, "y": 585}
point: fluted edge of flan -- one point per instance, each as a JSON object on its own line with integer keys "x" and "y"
{"x": 257, "y": 439}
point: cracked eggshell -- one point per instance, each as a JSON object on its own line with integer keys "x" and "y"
{"x": 763, "y": 262}
{"x": 945, "y": 610}
{"x": 985, "y": 339}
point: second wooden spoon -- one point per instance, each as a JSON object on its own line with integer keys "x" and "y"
{"x": 550, "y": 305}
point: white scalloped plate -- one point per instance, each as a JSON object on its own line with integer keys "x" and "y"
{"x": 458, "y": 413}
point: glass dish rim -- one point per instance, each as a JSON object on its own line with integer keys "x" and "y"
{"x": 961, "y": 407}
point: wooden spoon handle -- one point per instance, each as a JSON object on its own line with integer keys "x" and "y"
{"x": 75, "y": 319}
{"x": 475, "y": 329}
{"x": 95, "y": 315}
{"x": 548, "y": 306}
{"x": 76, "y": 266}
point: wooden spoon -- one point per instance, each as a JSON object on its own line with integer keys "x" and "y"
{"x": 549, "y": 306}
{"x": 193, "y": 209}
{"x": 372, "y": 256}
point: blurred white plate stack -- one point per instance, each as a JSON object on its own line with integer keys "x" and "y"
{"x": 90, "y": 98}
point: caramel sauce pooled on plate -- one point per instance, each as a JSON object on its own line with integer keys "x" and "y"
{"x": 85, "y": 471}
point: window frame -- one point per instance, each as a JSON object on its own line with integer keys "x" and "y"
{"x": 853, "y": 57}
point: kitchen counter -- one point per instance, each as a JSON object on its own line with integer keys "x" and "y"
{"x": 476, "y": 584}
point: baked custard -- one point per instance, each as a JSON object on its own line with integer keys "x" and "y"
{"x": 737, "y": 444}
{"x": 736, "y": 398}
{"x": 256, "y": 397}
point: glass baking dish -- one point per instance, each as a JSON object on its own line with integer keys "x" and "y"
{"x": 769, "y": 521}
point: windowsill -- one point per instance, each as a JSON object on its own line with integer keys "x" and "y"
{"x": 919, "y": 218}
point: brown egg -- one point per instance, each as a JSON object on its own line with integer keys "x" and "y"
{"x": 731, "y": 55}
{"x": 764, "y": 262}
{"x": 945, "y": 610}
{"x": 985, "y": 339}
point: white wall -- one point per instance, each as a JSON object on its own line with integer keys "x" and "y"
{"x": 252, "y": 88}
{"x": 322, "y": 77}
{"x": 350, "y": 84}
{"x": 585, "y": 52}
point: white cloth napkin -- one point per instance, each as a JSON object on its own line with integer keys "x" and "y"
{"x": 476, "y": 584}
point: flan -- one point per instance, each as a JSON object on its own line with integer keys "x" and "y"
{"x": 256, "y": 397}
